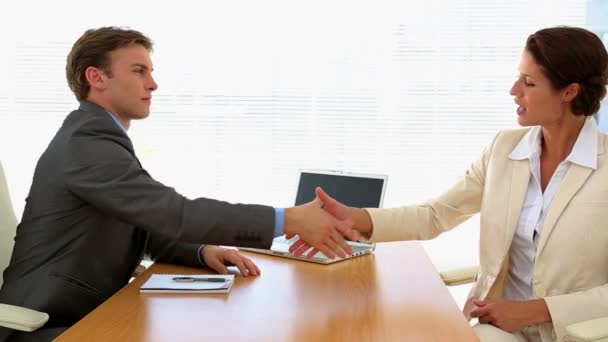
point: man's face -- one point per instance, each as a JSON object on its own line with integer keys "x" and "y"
{"x": 128, "y": 92}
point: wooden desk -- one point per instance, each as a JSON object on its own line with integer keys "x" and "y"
{"x": 393, "y": 295}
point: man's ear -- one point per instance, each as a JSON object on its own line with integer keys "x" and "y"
{"x": 570, "y": 92}
{"x": 96, "y": 78}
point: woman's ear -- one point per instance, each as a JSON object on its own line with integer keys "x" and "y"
{"x": 571, "y": 91}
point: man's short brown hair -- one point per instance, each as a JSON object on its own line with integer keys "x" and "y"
{"x": 93, "y": 48}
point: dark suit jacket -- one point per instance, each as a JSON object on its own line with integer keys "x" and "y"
{"x": 93, "y": 212}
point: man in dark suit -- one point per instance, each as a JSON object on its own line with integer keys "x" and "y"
{"x": 93, "y": 212}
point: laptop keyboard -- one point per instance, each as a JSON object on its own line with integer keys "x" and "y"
{"x": 282, "y": 244}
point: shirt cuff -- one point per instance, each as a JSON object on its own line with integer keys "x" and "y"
{"x": 199, "y": 256}
{"x": 279, "y": 221}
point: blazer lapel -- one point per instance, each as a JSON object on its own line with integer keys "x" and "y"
{"x": 575, "y": 178}
{"x": 519, "y": 187}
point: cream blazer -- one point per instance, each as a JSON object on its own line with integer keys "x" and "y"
{"x": 571, "y": 268}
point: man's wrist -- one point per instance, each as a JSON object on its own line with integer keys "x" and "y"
{"x": 288, "y": 227}
{"x": 279, "y": 221}
{"x": 200, "y": 258}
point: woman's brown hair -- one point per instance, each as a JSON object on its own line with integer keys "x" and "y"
{"x": 573, "y": 55}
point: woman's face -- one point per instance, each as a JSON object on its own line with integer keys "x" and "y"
{"x": 538, "y": 103}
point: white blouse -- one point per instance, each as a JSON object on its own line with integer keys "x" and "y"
{"x": 522, "y": 253}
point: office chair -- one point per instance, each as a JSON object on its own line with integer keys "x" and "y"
{"x": 595, "y": 330}
{"x": 11, "y": 316}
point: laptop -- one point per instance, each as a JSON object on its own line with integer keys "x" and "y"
{"x": 352, "y": 189}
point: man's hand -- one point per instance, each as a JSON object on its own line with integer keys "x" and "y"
{"x": 357, "y": 219}
{"x": 511, "y": 316}
{"x": 337, "y": 209}
{"x": 360, "y": 219}
{"x": 319, "y": 229}
{"x": 217, "y": 258}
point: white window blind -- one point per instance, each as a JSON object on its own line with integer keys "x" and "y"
{"x": 251, "y": 91}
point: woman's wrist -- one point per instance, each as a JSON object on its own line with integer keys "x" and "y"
{"x": 362, "y": 221}
{"x": 541, "y": 311}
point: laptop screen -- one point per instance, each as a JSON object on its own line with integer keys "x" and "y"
{"x": 361, "y": 191}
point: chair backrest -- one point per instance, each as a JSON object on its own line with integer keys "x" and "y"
{"x": 8, "y": 224}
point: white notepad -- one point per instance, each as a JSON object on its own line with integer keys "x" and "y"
{"x": 166, "y": 283}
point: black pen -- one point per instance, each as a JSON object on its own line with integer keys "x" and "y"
{"x": 191, "y": 279}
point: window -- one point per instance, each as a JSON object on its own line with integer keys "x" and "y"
{"x": 252, "y": 91}
{"x": 597, "y": 21}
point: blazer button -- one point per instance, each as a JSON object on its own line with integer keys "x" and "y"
{"x": 540, "y": 292}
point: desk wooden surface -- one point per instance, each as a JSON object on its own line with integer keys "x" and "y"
{"x": 393, "y": 295}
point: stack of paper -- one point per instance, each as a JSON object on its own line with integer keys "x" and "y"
{"x": 188, "y": 283}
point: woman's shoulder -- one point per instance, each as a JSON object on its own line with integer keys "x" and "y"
{"x": 512, "y": 134}
{"x": 506, "y": 140}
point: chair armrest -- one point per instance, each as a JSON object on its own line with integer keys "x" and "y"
{"x": 18, "y": 318}
{"x": 459, "y": 276}
{"x": 595, "y": 330}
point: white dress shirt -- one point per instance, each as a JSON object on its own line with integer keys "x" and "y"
{"x": 522, "y": 253}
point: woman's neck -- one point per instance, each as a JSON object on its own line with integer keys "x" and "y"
{"x": 559, "y": 138}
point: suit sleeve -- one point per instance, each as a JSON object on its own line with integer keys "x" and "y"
{"x": 428, "y": 220}
{"x": 160, "y": 248}
{"x": 102, "y": 172}
{"x": 577, "y": 307}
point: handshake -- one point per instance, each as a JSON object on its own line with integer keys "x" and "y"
{"x": 323, "y": 224}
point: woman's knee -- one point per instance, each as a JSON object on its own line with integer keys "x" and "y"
{"x": 490, "y": 333}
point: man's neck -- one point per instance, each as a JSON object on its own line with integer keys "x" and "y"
{"x": 106, "y": 105}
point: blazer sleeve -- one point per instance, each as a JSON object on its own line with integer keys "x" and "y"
{"x": 428, "y": 220}
{"x": 160, "y": 248}
{"x": 577, "y": 307}
{"x": 105, "y": 174}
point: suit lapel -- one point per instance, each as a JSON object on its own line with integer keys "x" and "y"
{"x": 575, "y": 178}
{"x": 519, "y": 187}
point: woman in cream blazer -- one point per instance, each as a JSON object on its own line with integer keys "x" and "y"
{"x": 542, "y": 195}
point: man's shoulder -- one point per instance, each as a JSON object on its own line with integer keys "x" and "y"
{"x": 91, "y": 118}
{"x": 93, "y": 135}
{"x": 83, "y": 123}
